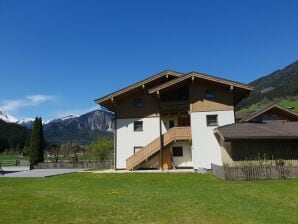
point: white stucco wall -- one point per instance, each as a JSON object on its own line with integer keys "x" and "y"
{"x": 186, "y": 159}
{"x": 165, "y": 122}
{"x": 127, "y": 138}
{"x": 206, "y": 149}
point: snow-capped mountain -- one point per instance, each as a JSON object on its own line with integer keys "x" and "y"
{"x": 7, "y": 117}
{"x": 82, "y": 129}
{"x": 26, "y": 122}
{"x": 64, "y": 118}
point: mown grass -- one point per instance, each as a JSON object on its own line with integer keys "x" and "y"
{"x": 12, "y": 157}
{"x": 146, "y": 198}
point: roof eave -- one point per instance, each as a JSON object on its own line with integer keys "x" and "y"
{"x": 206, "y": 77}
{"x": 264, "y": 110}
{"x": 137, "y": 85}
{"x": 228, "y": 139}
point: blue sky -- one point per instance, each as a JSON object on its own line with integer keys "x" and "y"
{"x": 57, "y": 56}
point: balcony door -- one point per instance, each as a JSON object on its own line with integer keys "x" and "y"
{"x": 184, "y": 121}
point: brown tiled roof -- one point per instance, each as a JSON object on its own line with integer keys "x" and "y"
{"x": 269, "y": 130}
{"x": 267, "y": 108}
{"x": 200, "y": 76}
{"x": 241, "y": 115}
{"x": 138, "y": 84}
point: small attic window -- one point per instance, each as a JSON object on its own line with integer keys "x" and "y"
{"x": 138, "y": 102}
{"x": 210, "y": 94}
{"x": 266, "y": 118}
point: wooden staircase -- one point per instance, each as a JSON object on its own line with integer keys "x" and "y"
{"x": 174, "y": 134}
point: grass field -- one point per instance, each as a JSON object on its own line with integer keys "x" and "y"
{"x": 10, "y": 160}
{"x": 12, "y": 157}
{"x": 146, "y": 198}
{"x": 286, "y": 103}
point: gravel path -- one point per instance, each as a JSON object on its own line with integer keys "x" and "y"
{"x": 39, "y": 173}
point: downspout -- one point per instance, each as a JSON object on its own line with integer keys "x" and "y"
{"x": 193, "y": 153}
{"x": 115, "y": 142}
{"x": 160, "y": 134}
{"x": 233, "y": 95}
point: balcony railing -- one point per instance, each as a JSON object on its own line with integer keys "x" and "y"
{"x": 174, "y": 106}
{"x": 174, "y": 134}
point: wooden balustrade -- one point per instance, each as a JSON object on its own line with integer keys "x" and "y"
{"x": 174, "y": 134}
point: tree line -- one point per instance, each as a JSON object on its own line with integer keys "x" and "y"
{"x": 100, "y": 149}
{"x": 13, "y": 137}
{"x": 18, "y": 139}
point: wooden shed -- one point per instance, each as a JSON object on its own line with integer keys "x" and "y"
{"x": 253, "y": 141}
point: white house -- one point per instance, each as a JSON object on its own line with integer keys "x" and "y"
{"x": 166, "y": 121}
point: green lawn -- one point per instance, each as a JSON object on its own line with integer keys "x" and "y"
{"x": 146, "y": 198}
{"x": 12, "y": 157}
{"x": 284, "y": 103}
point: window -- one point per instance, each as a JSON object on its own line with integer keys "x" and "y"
{"x": 210, "y": 94}
{"x": 212, "y": 120}
{"x": 138, "y": 126}
{"x": 171, "y": 123}
{"x": 266, "y": 118}
{"x": 274, "y": 117}
{"x": 138, "y": 102}
{"x": 177, "y": 151}
{"x": 136, "y": 149}
{"x": 179, "y": 94}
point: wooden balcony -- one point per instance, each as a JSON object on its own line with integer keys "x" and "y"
{"x": 175, "y": 106}
{"x": 174, "y": 134}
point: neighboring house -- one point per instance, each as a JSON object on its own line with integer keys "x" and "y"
{"x": 254, "y": 141}
{"x": 273, "y": 112}
{"x": 270, "y": 133}
{"x": 167, "y": 121}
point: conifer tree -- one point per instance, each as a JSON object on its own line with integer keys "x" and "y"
{"x": 36, "y": 142}
{"x": 41, "y": 141}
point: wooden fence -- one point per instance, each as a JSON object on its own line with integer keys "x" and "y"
{"x": 16, "y": 162}
{"x": 260, "y": 172}
{"x": 9, "y": 162}
{"x": 87, "y": 164}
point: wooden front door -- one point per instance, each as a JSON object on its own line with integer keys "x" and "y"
{"x": 167, "y": 159}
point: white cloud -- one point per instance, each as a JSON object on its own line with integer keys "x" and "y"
{"x": 28, "y": 101}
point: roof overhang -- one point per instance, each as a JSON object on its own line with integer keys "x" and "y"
{"x": 258, "y": 131}
{"x": 195, "y": 75}
{"x": 142, "y": 84}
{"x": 264, "y": 110}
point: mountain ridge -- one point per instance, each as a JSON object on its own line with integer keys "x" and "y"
{"x": 81, "y": 129}
{"x": 280, "y": 86}
{"x": 7, "y": 117}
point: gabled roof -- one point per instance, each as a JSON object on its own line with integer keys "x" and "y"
{"x": 200, "y": 76}
{"x": 264, "y": 110}
{"x": 138, "y": 84}
{"x": 270, "y": 130}
{"x": 240, "y": 115}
